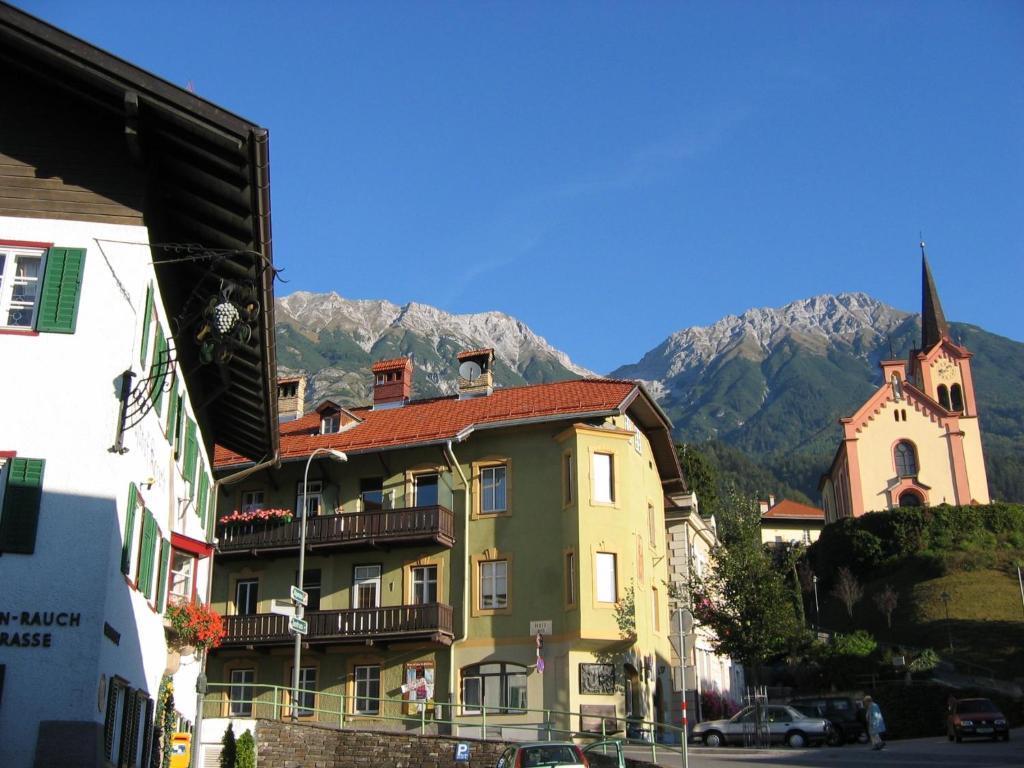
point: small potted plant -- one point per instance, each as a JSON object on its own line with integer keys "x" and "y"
{"x": 194, "y": 626}
{"x": 258, "y": 516}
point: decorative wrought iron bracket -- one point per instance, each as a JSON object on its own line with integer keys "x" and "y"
{"x": 139, "y": 400}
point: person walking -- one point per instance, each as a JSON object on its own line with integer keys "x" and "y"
{"x": 875, "y": 723}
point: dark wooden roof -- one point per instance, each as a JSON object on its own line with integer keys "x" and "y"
{"x": 206, "y": 181}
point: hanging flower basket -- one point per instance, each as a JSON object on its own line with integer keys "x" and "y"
{"x": 258, "y": 515}
{"x": 195, "y": 625}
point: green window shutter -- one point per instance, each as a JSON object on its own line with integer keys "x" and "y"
{"x": 161, "y": 585}
{"x": 201, "y": 485}
{"x": 19, "y": 518}
{"x": 179, "y": 419}
{"x": 62, "y": 287}
{"x": 191, "y": 451}
{"x": 148, "y": 547}
{"x": 158, "y": 369}
{"x": 147, "y": 315}
{"x": 129, "y": 529}
{"x": 172, "y": 409}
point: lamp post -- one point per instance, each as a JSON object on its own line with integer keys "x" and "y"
{"x": 949, "y": 630}
{"x": 814, "y": 581}
{"x": 299, "y": 612}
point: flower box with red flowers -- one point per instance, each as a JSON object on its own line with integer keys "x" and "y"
{"x": 258, "y": 516}
{"x": 194, "y": 624}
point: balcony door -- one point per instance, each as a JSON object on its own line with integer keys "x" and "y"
{"x": 425, "y": 490}
{"x": 366, "y": 586}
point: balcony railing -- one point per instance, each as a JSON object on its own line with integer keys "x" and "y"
{"x": 430, "y": 621}
{"x": 415, "y": 525}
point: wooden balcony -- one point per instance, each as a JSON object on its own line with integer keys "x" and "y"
{"x": 412, "y": 525}
{"x": 431, "y": 622}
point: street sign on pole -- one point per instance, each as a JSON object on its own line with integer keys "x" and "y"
{"x": 299, "y": 597}
{"x": 298, "y": 626}
{"x": 282, "y": 607}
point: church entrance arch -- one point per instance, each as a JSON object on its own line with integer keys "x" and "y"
{"x": 910, "y": 499}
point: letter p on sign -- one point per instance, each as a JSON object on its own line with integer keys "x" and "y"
{"x": 462, "y": 753}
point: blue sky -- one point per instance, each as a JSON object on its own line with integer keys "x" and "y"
{"x": 612, "y": 172}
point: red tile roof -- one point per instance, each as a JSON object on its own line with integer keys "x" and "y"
{"x": 394, "y": 364}
{"x": 434, "y": 420}
{"x": 794, "y": 510}
{"x": 474, "y": 353}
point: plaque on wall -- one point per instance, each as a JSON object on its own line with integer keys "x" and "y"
{"x": 597, "y": 678}
{"x": 594, "y": 716}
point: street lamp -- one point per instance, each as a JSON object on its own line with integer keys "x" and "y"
{"x": 949, "y": 630}
{"x": 299, "y": 612}
{"x": 814, "y": 581}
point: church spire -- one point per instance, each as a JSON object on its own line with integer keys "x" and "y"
{"x": 933, "y": 322}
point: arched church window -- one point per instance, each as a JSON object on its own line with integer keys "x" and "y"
{"x": 944, "y": 396}
{"x": 906, "y": 459}
{"x": 957, "y": 397}
{"x": 910, "y": 499}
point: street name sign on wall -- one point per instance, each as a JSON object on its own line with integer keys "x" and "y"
{"x": 298, "y": 626}
{"x": 540, "y": 628}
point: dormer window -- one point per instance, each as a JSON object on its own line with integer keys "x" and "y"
{"x": 330, "y": 423}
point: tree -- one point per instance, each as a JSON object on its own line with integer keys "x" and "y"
{"x": 701, "y": 475}
{"x": 847, "y": 589}
{"x": 229, "y": 748}
{"x": 887, "y": 600}
{"x": 743, "y": 597}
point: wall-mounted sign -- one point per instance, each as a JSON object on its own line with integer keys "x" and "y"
{"x": 597, "y": 678}
{"x": 540, "y": 627}
{"x": 33, "y": 639}
{"x": 462, "y": 752}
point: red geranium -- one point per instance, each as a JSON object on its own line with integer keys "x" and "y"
{"x": 196, "y": 624}
{"x": 253, "y": 515}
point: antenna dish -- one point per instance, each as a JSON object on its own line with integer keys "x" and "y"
{"x": 470, "y": 370}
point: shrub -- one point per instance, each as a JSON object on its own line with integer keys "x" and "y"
{"x": 246, "y": 751}
{"x": 229, "y": 748}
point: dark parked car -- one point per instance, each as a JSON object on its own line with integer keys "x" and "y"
{"x": 844, "y": 712}
{"x": 976, "y": 717}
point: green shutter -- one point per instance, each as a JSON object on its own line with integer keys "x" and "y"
{"x": 19, "y": 518}
{"x": 158, "y": 370}
{"x": 129, "y": 529}
{"x": 148, "y": 550}
{"x": 147, "y": 315}
{"x": 62, "y": 287}
{"x": 191, "y": 451}
{"x": 201, "y": 485}
{"x": 161, "y": 585}
{"x": 172, "y": 410}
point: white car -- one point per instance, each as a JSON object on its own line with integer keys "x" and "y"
{"x": 779, "y": 725}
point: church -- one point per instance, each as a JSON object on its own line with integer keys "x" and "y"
{"x": 916, "y": 441}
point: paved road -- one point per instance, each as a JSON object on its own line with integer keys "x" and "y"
{"x": 934, "y": 752}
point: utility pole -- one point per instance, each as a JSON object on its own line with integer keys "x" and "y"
{"x": 814, "y": 580}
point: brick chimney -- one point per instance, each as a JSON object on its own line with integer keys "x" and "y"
{"x": 291, "y": 397}
{"x": 392, "y": 382}
{"x": 475, "y": 376}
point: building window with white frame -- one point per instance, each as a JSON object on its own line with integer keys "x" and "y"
{"x": 183, "y": 569}
{"x": 603, "y": 473}
{"x": 367, "y": 698}
{"x": 606, "y": 577}
{"x": 424, "y": 584}
{"x": 307, "y": 690}
{"x": 493, "y": 584}
{"x": 366, "y": 586}
{"x": 252, "y": 501}
{"x": 314, "y": 493}
{"x": 21, "y": 270}
{"x": 241, "y": 692}
{"x": 493, "y": 489}
{"x": 499, "y": 687}
{"x": 247, "y": 597}
{"x": 330, "y": 423}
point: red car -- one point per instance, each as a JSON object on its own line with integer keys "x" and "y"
{"x": 976, "y": 717}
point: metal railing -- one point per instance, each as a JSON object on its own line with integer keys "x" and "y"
{"x": 413, "y": 524}
{"x": 426, "y": 619}
{"x": 274, "y": 702}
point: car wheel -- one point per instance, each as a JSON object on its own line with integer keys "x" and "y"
{"x": 796, "y": 739}
{"x": 713, "y": 739}
{"x": 836, "y": 737}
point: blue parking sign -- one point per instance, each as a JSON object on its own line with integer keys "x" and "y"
{"x": 462, "y": 752}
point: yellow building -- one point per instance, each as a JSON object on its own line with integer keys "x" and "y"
{"x": 789, "y": 522}
{"x": 916, "y": 441}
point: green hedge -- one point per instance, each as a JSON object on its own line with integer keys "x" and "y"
{"x": 919, "y": 709}
{"x": 864, "y": 543}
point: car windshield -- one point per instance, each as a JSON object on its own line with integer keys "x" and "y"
{"x": 975, "y": 705}
{"x": 550, "y": 754}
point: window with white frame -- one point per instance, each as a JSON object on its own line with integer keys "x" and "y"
{"x": 330, "y": 423}
{"x": 607, "y": 582}
{"x": 367, "y": 698}
{"x": 247, "y": 597}
{"x": 21, "y": 270}
{"x": 314, "y": 493}
{"x": 242, "y": 681}
{"x": 366, "y": 586}
{"x": 134, "y": 535}
{"x": 493, "y": 489}
{"x": 496, "y": 686}
{"x": 424, "y": 584}
{"x": 602, "y": 472}
{"x": 183, "y": 569}
{"x": 493, "y": 584}
{"x": 252, "y": 500}
{"x": 307, "y": 690}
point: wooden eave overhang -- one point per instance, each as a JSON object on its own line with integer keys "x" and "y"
{"x": 646, "y": 412}
{"x": 207, "y": 186}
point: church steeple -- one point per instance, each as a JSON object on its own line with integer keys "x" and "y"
{"x": 933, "y": 322}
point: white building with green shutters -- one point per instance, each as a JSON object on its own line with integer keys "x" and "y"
{"x": 135, "y": 306}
